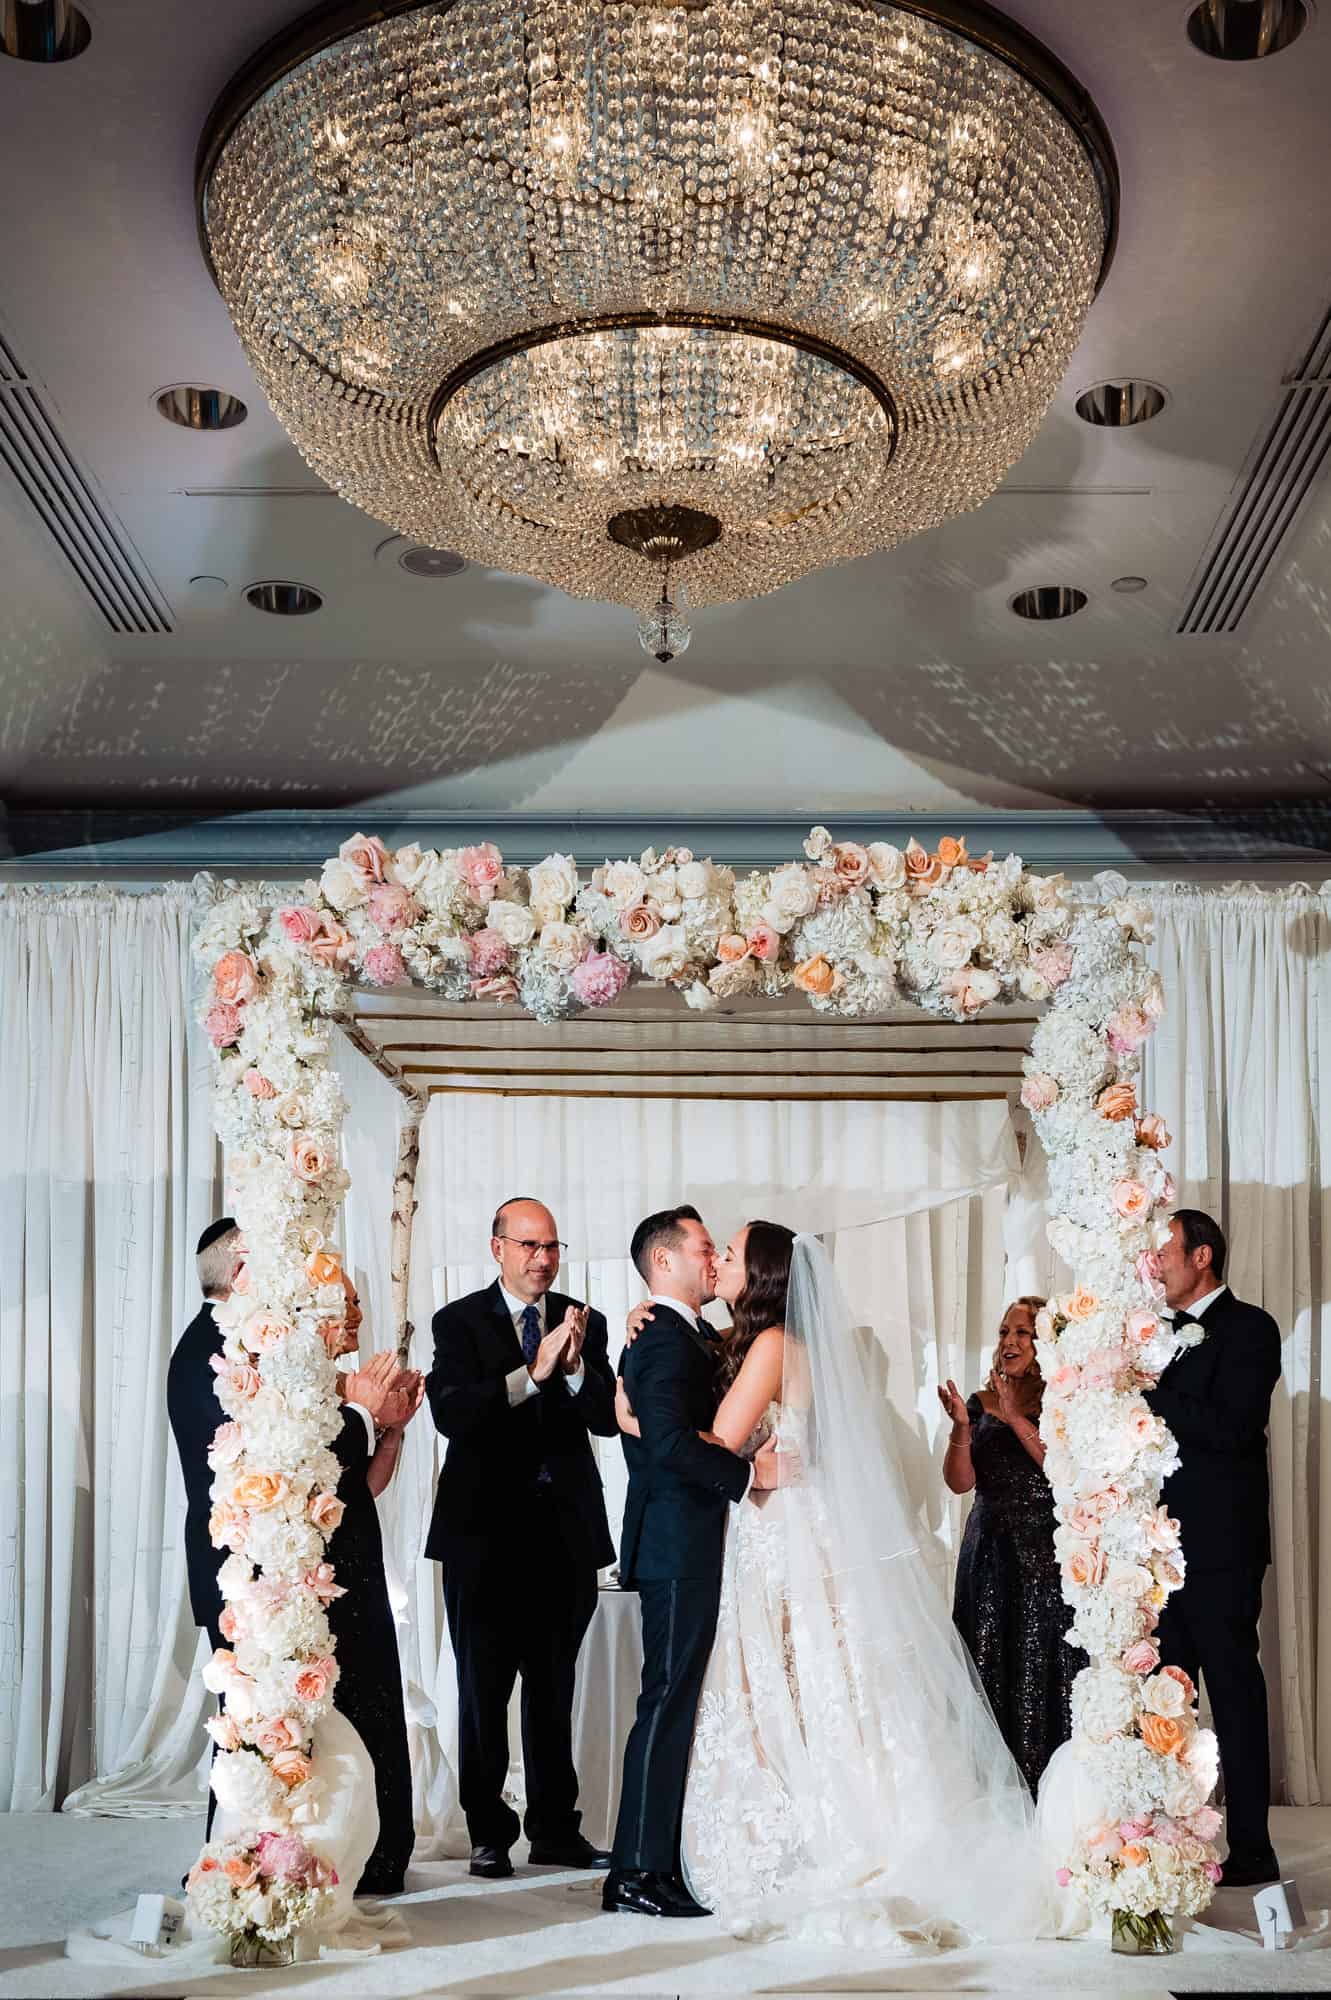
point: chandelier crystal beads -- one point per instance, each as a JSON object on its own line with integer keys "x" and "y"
{"x": 508, "y": 272}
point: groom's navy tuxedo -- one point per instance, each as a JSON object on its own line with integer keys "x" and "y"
{"x": 1216, "y": 1399}
{"x": 194, "y": 1414}
{"x": 680, "y": 1490}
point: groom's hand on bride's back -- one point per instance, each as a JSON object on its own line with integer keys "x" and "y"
{"x": 772, "y": 1467}
{"x": 639, "y": 1317}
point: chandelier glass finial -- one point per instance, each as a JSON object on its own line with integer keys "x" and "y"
{"x": 509, "y": 273}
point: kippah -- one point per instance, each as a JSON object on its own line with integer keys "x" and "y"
{"x": 222, "y": 1227}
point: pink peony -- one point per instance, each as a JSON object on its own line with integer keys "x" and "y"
{"x": 490, "y": 954}
{"x": 765, "y": 943}
{"x": 481, "y": 868}
{"x": 235, "y": 977}
{"x": 383, "y": 965}
{"x": 1039, "y": 1091}
{"x": 283, "y": 1857}
{"x": 223, "y": 1023}
{"x": 1127, "y": 1030}
{"x": 1204, "y": 1824}
{"x": 502, "y": 990}
{"x": 1131, "y": 1200}
{"x": 258, "y": 1085}
{"x": 1054, "y": 964}
{"x": 300, "y": 923}
{"x": 1142, "y": 1657}
{"x": 599, "y": 979}
{"x": 392, "y": 907}
{"x": 365, "y": 855}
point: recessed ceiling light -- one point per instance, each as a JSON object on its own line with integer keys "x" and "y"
{"x": 42, "y": 31}
{"x": 1245, "y": 30}
{"x": 208, "y": 589}
{"x": 1120, "y": 403}
{"x": 284, "y": 600}
{"x": 420, "y": 561}
{"x": 1051, "y": 601}
{"x": 197, "y": 409}
{"x": 1128, "y": 584}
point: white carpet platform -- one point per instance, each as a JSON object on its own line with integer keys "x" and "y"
{"x": 544, "y": 1933}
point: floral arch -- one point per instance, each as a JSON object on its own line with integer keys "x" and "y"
{"x": 857, "y": 929}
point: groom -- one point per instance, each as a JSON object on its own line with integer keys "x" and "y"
{"x": 674, "y": 1530}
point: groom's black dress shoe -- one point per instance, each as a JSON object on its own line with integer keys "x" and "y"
{"x": 492, "y": 1862}
{"x": 642, "y": 1893}
{"x": 574, "y": 1852}
{"x": 1242, "y": 1874}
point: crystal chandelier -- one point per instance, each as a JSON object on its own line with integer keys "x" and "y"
{"x": 642, "y": 299}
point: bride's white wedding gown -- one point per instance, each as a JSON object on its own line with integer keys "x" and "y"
{"x": 848, "y": 1780}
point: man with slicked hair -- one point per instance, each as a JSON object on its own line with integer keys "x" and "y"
{"x": 520, "y": 1385}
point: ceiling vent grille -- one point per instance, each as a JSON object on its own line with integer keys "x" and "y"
{"x": 1282, "y": 470}
{"x": 62, "y": 496}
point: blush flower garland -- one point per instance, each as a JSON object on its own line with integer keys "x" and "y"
{"x": 857, "y": 929}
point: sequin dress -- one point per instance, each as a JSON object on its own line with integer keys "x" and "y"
{"x": 1008, "y": 1605}
{"x": 369, "y": 1681}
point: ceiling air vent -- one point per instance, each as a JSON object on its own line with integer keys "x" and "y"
{"x": 89, "y": 538}
{"x": 1282, "y": 470}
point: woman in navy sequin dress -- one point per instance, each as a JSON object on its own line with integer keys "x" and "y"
{"x": 1008, "y": 1605}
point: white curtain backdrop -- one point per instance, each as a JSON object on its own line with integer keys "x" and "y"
{"x": 107, "y": 1178}
{"x": 1240, "y": 1069}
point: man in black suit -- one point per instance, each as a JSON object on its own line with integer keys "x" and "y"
{"x": 1216, "y": 1399}
{"x": 519, "y": 1386}
{"x": 680, "y": 1491}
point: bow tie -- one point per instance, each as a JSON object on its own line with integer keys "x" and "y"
{"x": 1186, "y": 1319}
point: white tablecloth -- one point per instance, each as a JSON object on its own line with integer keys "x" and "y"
{"x": 609, "y": 1672}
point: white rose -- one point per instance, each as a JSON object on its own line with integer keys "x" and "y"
{"x": 413, "y": 865}
{"x": 665, "y": 955}
{"x": 623, "y": 882}
{"x": 554, "y": 884}
{"x": 953, "y": 942}
{"x": 1163, "y": 1695}
{"x": 513, "y": 921}
{"x": 887, "y": 865}
{"x": 792, "y": 893}
{"x": 342, "y": 886}
{"x": 563, "y": 944}
{"x": 664, "y": 886}
{"x": 694, "y": 879}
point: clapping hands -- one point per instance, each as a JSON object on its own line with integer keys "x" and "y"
{"x": 562, "y": 1346}
{"x": 390, "y": 1393}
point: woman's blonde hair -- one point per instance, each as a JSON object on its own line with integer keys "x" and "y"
{"x": 1030, "y": 1386}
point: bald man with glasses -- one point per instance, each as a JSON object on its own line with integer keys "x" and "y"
{"x": 520, "y": 1385}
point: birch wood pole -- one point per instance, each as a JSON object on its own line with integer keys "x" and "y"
{"x": 404, "y": 1183}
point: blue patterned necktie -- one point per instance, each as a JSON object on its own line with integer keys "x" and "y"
{"x": 531, "y": 1341}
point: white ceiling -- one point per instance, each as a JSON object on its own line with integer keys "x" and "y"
{"x": 899, "y": 681}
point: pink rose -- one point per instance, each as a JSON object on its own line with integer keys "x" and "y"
{"x": 319, "y": 1581}
{"x": 732, "y": 948}
{"x": 392, "y": 907}
{"x": 850, "y": 862}
{"x": 326, "y": 1511}
{"x": 315, "y": 1678}
{"x": 223, "y": 1023}
{"x": 300, "y": 923}
{"x": 257, "y": 1085}
{"x": 1142, "y": 1657}
{"x": 765, "y": 943}
{"x": 281, "y": 1733}
{"x": 1127, "y": 1030}
{"x": 235, "y": 977}
{"x": 490, "y": 954}
{"x": 383, "y": 965}
{"x": 366, "y": 856}
{"x": 1130, "y": 1199}
{"x": 331, "y": 945}
{"x": 1054, "y": 963}
{"x": 1039, "y": 1091}
{"x": 599, "y": 979}
{"x": 1141, "y": 1326}
{"x": 227, "y": 1445}
{"x": 236, "y": 1377}
{"x": 306, "y": 1158}
{"x": 502, "y": 990}
{"x": 640, "y": 920}
{"x": 481, "y": 868}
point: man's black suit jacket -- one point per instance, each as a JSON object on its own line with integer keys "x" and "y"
{"x": 1216, "y": 1399}
{"x": 496, "y": 1451}
{"x": 679, "y": 1487}
{"x": 194, "y": 1414}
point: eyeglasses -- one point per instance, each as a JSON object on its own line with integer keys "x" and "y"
{"x": 530, "y": 1249}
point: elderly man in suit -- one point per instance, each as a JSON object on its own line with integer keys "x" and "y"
{"x": 520, "y": 1385}
{"x": 1216, "y": 1399}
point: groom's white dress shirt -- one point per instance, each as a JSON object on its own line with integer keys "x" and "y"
{"x": 520, "y": 1384}
{"x": 1198, "y": 1306}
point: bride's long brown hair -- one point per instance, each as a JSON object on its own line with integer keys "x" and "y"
{"x": 768, "y": 1247}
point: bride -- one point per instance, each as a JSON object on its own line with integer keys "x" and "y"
{"x": 847, "y": 1777}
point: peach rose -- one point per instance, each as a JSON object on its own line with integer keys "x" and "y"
{"x": 1141, "y": 1326}
{"x": 306, "y": 1158}
{"x": 259, "y": 1490}
{"x": 1039, "y": 1091}
{"x": 240, "y": 1871}
{"x": 331, "y": 945}
{"x": 972, "y": 988}
{"x": 1184, "y": 1680}
{"x": 1086, "y": 1566}
{"x": 258, "y": 1085}
{"x": 1132, "y": 1854}
{"x": 228, "y": 1528}
{"x": 501, "y": 990}
{"x": 817, "y": 976}
{"x": 1163, "y": 1734}
{"x": 326, "y": 1511}
{"x": 1104, "y": 1843}
{"x": 1116, "y": 1101}
{"x": 731, "y": 948}
{"x": 225, "y": 1731}
{"x": 1142, "y": 1657}
{"x": 640, "y": 920}
{"x": 1081, "y": 1304}
{"x": 263, "y": 1331}
{"x": 1131, "y": 1199}
{"x": 922, "y": 868}
{"x": 300, "y": 923}
{"x": 765, "y": 943}
{"x": 366, "y": 856}
{"x": 314, "y": 1679}
{"x": 293, "y": 1767}
{"x": 281, "y": 1733}
{"x": 319, "y": 1581}
{"x": 323, "y": 1267}
{"x": 480, "y": 868}
{"x": 239, "y": 1379}
{"x": 1152, "y": 1131}
{"x": 850, "y": 863}
{"x": 952, "y": 853}
{"x": 235, "y": 977}
{"x": 223, "y": 1023}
